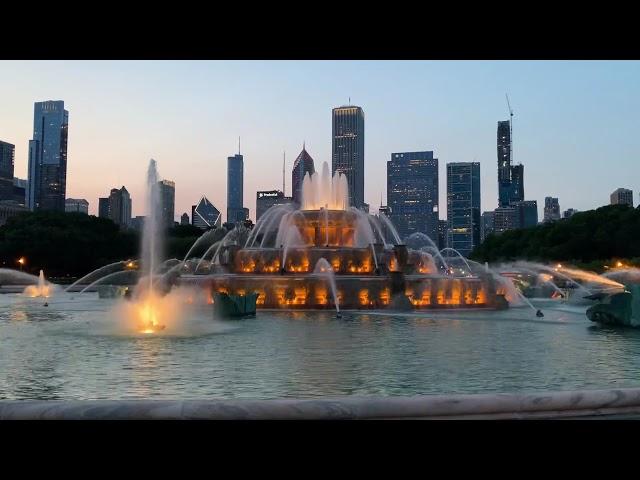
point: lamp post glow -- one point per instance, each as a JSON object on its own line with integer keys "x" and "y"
{"x": 21, "y": 261}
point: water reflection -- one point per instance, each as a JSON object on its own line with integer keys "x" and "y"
{"x": 308, "y": 354}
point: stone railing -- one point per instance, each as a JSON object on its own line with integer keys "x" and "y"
{"x": 576, "y": 404}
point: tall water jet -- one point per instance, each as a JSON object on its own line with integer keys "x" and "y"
{"x": 324, "y": 269}
{"x": 42, "y": 289}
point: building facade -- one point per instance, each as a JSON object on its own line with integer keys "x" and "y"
{"x": 48, "y": 156}
{"x": 79, "y": 205}
{"x": 551, "y": 209}
{"x": 505, "y": 218}
{"x": 10, "y": 208}
{"x": 568, "y": 213}
{"x": 205, "y": 215}
{"x": 527, "y": 213}
{"x": 622, "y": 196}
{"x": 103, "y": 207}
{"x": 184, "y": 219}
{"x": 119, "y": 207}
{"x": 347, "y": 150}
{"x": 504, "y": 163}
{"x": 463, "y": 206}
{"x": 412, "y": 193}
{"x": 7, "y": 158}
{"x": 487, "y": 224}
{"x": 167, "y": 192}
{"x": 235, "y": 192}
{"x": 269, "y": 198}
{"x": 302, "y": 166}
{"x": 443, "y": 226}
{"x": 517, "y": 184}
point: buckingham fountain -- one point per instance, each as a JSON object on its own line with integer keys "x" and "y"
{"x": 327, "y": 255}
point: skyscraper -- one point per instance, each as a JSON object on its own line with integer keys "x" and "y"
{"x": 527, "y": 213}
{"x": 7, "y": 156}
{"x": 347, "y": 150}
{"x": 103, "y": 207}
{"x": 168, "y": 202}
{"x": 205, "y": 215}
{"x": 622, "y": 196}
{"x": 551, "y": 209}
{"x": 517, "y": 184}
{"x": 302, "y": 166}
{"x": 48, "y": 156}
{"x": 412, "y": 193}
{"x": 463, "y": 206}
{"x": 184, "y": 219}
{"x": 487, "y": 224}
{"x": 235, "y": 181}
{"x": 504, "y": 163}
{"x": 120, "y": 207}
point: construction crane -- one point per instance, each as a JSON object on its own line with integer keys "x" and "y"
{"x": 510, "y": 128}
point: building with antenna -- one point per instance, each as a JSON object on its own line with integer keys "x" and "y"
{"x": 235, "y": 185}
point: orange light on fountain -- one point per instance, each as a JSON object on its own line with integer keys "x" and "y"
{"x": 363, "y": 296}
{"x": 385, "y": 295}
{"x": 393, "y": 264}
{"x": 149, "y": 315}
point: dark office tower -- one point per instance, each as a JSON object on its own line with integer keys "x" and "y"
{"x": 568, "y": 213}
{"x": 184, "y": 219}
{"x": 487, "y": 224}
{"x": 302, "y": 166}
{"x": 505, "y": 218}
{"x": 235, "y": 181}
{"x": 551, "y": 209}
{"x": 504, "y": 163}
{"x": 168, "y": 202}
{"x": 48, "y": 156}
{"x": 412, "y": 193}
{"x": 7, "y": 156}
{"x": 120, "y": 207}
{"x": 103, "y": 207}
{"x": 517, "y": 184}
{"x": 442, "y": 234}
{"x": 463, "y": 206}
{"x": 527, "y": 212}
{"x": 347, "y": 150}
{"x": 205, "y": 215}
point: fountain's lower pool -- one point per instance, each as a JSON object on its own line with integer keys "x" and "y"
{"x": 71, "y": 350}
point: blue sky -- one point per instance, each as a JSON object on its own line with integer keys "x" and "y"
{"x": 575, "y": 124}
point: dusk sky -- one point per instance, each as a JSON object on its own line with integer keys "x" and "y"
{"x": 575, "y": 123}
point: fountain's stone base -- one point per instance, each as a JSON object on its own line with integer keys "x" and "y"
{"x": 620, "y": 309}
{"x": 311, "y": 291}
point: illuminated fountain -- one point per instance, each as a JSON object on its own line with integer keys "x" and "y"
{"x": 42, "y": 289}
{"x": 286, "y": 257}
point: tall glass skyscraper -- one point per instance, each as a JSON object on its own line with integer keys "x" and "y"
{"x": 7, "y": 157}
{"x": 235, "y": 181}
{"x": 463, "y": 206}
{"x": 347, "y": 150}
{"x": 302, "y": 166}
{"x": 168, "y": 201}
{"x": 412, "y": 193}
{"x": 504, "y": 163}
{"x": 48, "y": 156}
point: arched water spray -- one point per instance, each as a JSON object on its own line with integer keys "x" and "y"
{"x": 107, "y": 277}
{"x": 120, "y": 264}
{"x": 387, "y": 223}
{"x": 453, "y": 250}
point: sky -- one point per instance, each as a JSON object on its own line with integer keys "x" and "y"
{"x": 575, "y": 123}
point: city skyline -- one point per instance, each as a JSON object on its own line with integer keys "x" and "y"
{"x": 566, "y": 115}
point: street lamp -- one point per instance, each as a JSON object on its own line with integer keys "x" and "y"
{"x": 21, "y": 261}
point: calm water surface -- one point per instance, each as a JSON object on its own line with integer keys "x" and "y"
{"x": 69, "y": 350}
